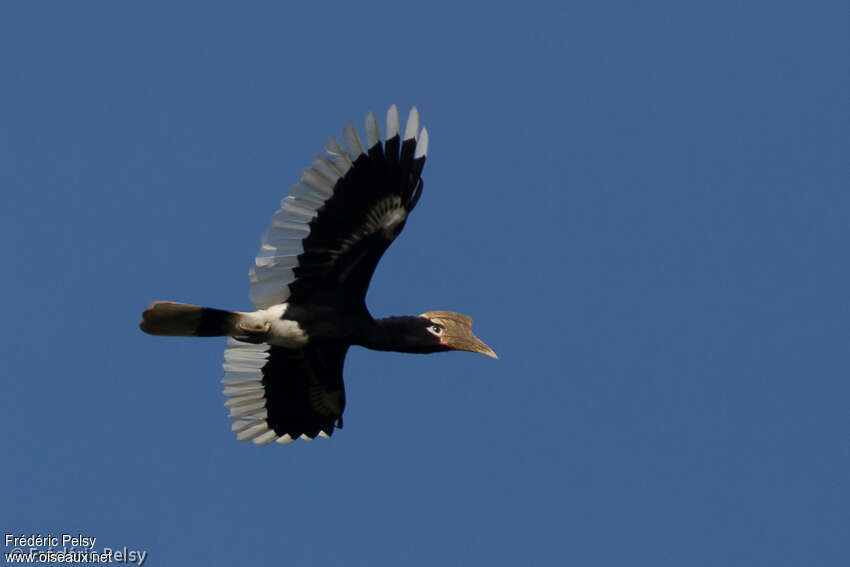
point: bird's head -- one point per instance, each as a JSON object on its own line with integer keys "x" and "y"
{"x": 453, "y": 331}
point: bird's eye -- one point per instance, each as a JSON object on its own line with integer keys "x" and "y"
{"x": 436, "y": 329}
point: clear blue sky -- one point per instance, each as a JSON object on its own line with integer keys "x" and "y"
{"x": 644, "y": 207}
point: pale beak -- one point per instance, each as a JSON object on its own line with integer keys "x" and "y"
{"x": 471, "y": 343}
{"x": 458, "y": 334}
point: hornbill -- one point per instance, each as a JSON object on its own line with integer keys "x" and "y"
{"x": 283, "y": 364}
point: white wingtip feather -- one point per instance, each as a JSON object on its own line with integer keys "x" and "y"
{"x": 421, "y": 144}
{"x": 412, "y": 127}
{"x": 373, "y": 131}
{"x": 265, "y": 438}
{"x": 242, "y": 411}
{"x": 351, "y": 141}
{"x": 248, "y": 411}
{"x": 392, "y": 122}
{"x": 242, "y": 424}
{"x": 251, "y": 432}
{"x": 235, "y": 402}
{"x": 332, "y": 147}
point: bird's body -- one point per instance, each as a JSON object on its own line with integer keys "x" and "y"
{"x": 284, "y": 362}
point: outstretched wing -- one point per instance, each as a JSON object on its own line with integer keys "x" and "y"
{"x": 335, "y": 224}
{"x": 278, "y": 394}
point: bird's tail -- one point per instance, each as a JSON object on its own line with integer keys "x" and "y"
{"x": 181, "y": 320}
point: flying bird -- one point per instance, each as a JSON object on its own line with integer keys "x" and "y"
{"x": 283, "y": 365}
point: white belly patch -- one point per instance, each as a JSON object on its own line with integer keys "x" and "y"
{"x": 282, "y": 332}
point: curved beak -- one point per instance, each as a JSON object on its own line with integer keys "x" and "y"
{"x": 471, "y": 343}
{"x": 458, "y": 334}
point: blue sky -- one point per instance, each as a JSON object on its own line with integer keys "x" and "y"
{"x": 644, "y": 207}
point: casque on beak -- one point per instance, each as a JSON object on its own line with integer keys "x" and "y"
{"x": 458, "y": 332}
